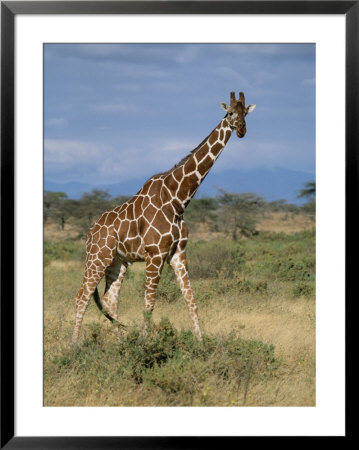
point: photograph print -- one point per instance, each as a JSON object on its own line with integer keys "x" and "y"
{"x": 179, "y": 225}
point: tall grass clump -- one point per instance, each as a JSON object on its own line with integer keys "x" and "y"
{"x": 63, "y": 251}
{"x": 182, "y": 369}
{"x": 209, "y": 259}
{"x": 279, "y": 256}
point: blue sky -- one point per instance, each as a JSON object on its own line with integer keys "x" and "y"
{"x": 116, "y": 112}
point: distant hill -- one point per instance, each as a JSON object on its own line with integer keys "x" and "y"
{"x": 272, "y": 184}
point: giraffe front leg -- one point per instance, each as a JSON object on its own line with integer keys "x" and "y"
{"x": 180, "y": 266}
{"x": 154, "y": 266}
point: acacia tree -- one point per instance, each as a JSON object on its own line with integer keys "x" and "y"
{"x": 202, "y": 210}
{"x": 58, "y": 207}
{"x": 239, "y": 213}
{"x": 90, "y": 207}
{"x": 309, "y": 192}
{"x": 51, "y": 203}
{"x": 66, "y": 209}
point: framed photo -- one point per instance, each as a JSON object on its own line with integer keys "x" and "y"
{"x": 37, "y": 40}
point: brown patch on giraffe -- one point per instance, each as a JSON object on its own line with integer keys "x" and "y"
{"x": 132, "y": 245}
{"x": 111, "y": 216}
{"x": 216, "y": 149}
{"x": 165, "y": 194}
{"x": 201, "y": 152}
{"x": 157, "y": 261}
{"x": 133, "y": 228}
{"x": 125, "y": 225}
{"x": 146, "y": 187}
{"x": 165, "y": 242}
{"x": 149, "y": 212}
{"x": 151, "y": 249}
{"x": 221, "y": 134}
{"x": 205, "y": 165}
{"x": 111, "y": 241}
{"x": 138, "y": 206}
{"x": 171, "y": 182}
{"x": 161, "y": 223}
{"x": 228, "y": 135}
{"x": 94, "y": 249}
{"x": 190, "y": 166}
{"x": 156, "y": 200}
{"x": 121, "y": 247}
{"x": 155, "y": 188}
{"x": 101, "y": 221}
{"x": 130, "y": 212}
{"x": 188, "y": 184}
{"x": 117, "y": 223}
{"x": 104, "y": 254}
{"x": 96, "y": 237}
{"x": 168, "y": 212}
{"x": 103, "y": 232}
{"x": 214, "y": 137}
{"x": 152, "y": 236}
{"x": 145, "y": 202}
{"x": 178, "y": 173}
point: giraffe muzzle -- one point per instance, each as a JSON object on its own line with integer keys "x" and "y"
{"x": 241, "y": 132}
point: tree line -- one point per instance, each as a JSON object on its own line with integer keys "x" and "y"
{"x": 236, "y": 214}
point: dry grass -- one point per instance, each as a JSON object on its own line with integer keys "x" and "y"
{"x": 54, "y": 233}
{"x": 289, "y": 223}
{"x": 286, "y": 323}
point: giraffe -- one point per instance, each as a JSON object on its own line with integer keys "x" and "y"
{"x": 150, "y": 227}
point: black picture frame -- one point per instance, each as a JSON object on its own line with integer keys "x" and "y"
{"x": 9, "y": 9}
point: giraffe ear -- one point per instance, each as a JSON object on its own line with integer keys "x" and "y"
{"x": 224, "y": 106}
{"x": 250, "y": 108}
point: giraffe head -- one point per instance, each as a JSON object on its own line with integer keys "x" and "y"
{"x": 236, "y": 113}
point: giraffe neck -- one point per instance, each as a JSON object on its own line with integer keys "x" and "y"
{"x": 185, "y": 178}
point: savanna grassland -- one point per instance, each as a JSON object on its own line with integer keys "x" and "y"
{"x": 256, "y": 300}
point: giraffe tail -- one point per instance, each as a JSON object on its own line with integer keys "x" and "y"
{"x": 97, "y": 299}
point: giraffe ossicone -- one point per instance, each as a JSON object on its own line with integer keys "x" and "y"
{"x": 150, "y": 227}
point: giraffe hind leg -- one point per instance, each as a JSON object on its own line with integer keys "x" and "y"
{"x": 114, "y": 278}
{"x": 89, "y": 284}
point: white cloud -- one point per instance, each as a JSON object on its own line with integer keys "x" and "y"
{"x": 56, "y": 122}
{"x": 309, "y": 82}
{"x": 253, "y": 154}
{"x": 66, "y": 155}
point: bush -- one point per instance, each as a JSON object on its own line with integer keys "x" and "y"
{"x": 173, "y": 361}
{"x": 63, "y": 251}
{"x": 303, "y": 290}
{"x": 168, "y": 288}
{"x": 209, "y": 259}
{"x": 299, "y": 269}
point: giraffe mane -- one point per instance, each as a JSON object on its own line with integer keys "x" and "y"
{"x": 186, "y": 158}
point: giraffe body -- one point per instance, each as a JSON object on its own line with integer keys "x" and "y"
{"x": 150, "y": 227}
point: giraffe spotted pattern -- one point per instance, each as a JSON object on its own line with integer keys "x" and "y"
{"x": 149, "y": 227}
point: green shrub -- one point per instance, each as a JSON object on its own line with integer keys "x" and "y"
{"x": 63, "y": 251}
{"x": 209, "y": 259}
{"x": 168, "y": 289}
{"x": 303, "y": 290}
{"x": 252, "y": 287}
{"x": 299, "y": 269}
{"x": 171, "y": 360}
